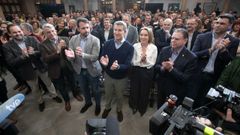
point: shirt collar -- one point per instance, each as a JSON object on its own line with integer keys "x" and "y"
{"x": 84, "y": 38}
{"x": 19, "y": 41}
{"x": 177, "y": 51}
{"x": 214, "y": 35}
{"x": 119, "y": 43}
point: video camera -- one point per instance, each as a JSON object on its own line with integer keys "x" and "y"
{"x": 177, "y": 120}
{"x": 107, "y": 126}
{"x": 225, "y": 98}
{"x": 224, "y": 94}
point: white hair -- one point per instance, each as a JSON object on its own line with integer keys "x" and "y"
{"x": 48, "y": 26}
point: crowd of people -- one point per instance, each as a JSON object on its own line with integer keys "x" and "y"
{"x": 183, "y": 53}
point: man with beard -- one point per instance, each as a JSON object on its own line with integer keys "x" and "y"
{"x": 83, "y": 54}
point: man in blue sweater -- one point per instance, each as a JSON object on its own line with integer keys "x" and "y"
{"x": 116, "y": 58}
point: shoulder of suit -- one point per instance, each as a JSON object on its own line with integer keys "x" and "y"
{"x": 166, "y": 48}
{"x": 75, "y": 36}
{"x": 9, "y": 43}
{"x": 63, "y": 37}
{"x": 46, "y": 41}
{"x": 189, "y": 53}
{"x": 205, "y": 34}
{"x": 127, "y": 43}
{"x": 92, "y": 36}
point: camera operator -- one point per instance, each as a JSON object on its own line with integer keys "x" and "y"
{"x": 230, "y": 79}
{"x": 231, "y": 75}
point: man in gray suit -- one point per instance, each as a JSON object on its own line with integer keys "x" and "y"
{"x": 83, "y": 54}
{"x": 132, "y": 33}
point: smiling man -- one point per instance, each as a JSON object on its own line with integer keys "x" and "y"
{"x": 175, "y": 66}
{"x": 85, "y": 49}
{"x": 116, "y": 58}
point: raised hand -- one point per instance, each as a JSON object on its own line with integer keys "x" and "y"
{"x": 104, "y": 60}
{"x": 69, "y": 53}
{"x": 115, "y": 65}
{"x": 30, "y": 50}
{"x": 143, "y": 58}
{"x": 78, "y": 51}
{"x": 60, "y": 45}
{"x": 168, "y": 65}
{"x": 25, "y": 52}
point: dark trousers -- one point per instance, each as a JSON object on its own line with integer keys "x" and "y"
{"x": 206, "y": 81}
{"x": 16, "y": 76}
{"x": 3, "y": 91}
{"x": 87, "y": 83}
{"x": 140, "y": 82}
{"x": 60, "y": 85}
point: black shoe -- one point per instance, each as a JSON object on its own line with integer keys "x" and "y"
{"x": 120, "y": 116}
{"x": 97, "y": 110}
{"x": 85, "y": 108}
{"x": 57, "y": 99}
{"x": 67, "y": 106}
{"x": 41, "y": 107}
{"x": 105, "y": 113}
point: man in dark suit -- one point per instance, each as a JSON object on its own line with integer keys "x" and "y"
{"x": 175, "y": 66}
{"x": 107, "y": 31}
{"x": 163, "y": 35}
{"x": 192, "y": 32}
{"x": 132, "y": 32}
{"x": 191, "y": 26}
{"x": 214, "y": 51}
{"x": 23, "y": 54}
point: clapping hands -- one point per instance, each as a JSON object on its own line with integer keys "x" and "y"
{"x": 60, "y": 45}
{"x": 167, "y": 65}
{"x": 104, "y": 60}
{"x": 115, "y": 65}
{"x": 69, "y": 53}
{"x": 79, "y": 51}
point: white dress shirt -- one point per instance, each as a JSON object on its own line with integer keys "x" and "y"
{"x": 151, "y": 55}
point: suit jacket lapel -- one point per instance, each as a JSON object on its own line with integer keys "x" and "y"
{"x": 209, "y": 41}
{"x": 181, "y": 56}
{"x": 15, "y": 46}
{"x": 50, "y": 46}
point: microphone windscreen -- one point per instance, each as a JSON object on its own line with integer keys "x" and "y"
{"x": 10, "y": 105}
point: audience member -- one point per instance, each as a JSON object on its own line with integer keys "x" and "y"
{"x": 175, "y": 66}
{"x": 214, "y": 51}
{"x": 141, "y": 77}
{"x": 83, "y": 54}
{"x": 116, "y": 58}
